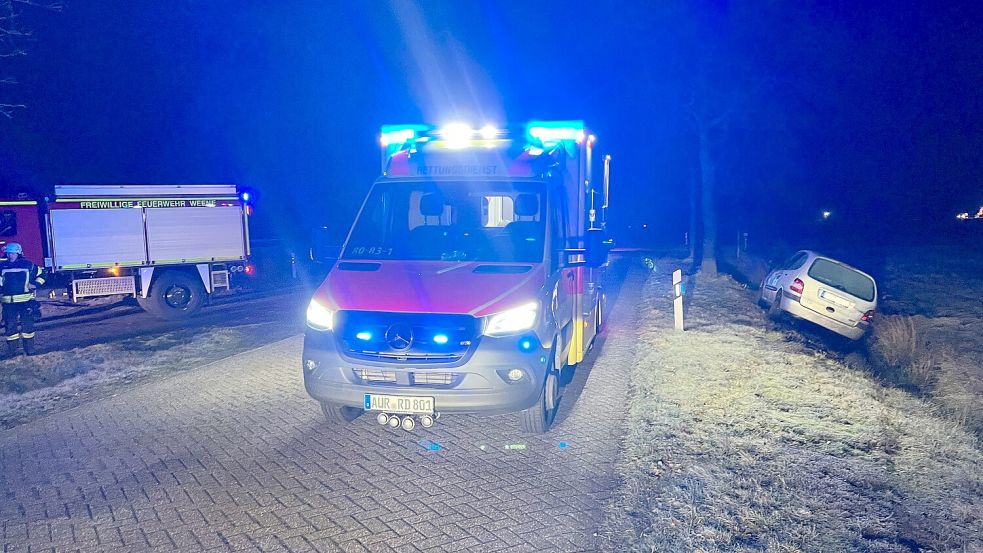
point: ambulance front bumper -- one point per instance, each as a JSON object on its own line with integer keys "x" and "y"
{"x": 477, "y": 383}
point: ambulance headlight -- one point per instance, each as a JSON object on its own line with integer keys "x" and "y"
{"x": 514, "y": 320}
{"x": 319, "y": 317}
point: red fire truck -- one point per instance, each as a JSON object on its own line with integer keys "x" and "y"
{"x": 169, "y": 246}
{"x": 470, "y": 279}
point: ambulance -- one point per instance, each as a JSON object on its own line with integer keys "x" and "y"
{"x": 470, "y": 280}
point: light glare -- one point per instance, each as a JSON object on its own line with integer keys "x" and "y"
{"x": 457, "y": 135}
{"x": 514, "y": 320}
{"x": 488, "y": 132}
{"x": 319, "y": 317}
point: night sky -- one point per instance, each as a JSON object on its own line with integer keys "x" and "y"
{"x": 873, "y": 112}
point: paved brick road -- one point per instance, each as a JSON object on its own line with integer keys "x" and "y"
{"x": 235, "y": 456}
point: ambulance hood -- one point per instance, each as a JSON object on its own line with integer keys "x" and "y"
{"x": 473, "y": 288}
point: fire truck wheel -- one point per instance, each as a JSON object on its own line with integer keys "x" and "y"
{"x": 340, "y": 414}
{"x": 538, "y": 419}
{"x": 174, "y": 295}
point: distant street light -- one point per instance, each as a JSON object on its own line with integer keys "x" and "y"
{"x": 827, "y": 215}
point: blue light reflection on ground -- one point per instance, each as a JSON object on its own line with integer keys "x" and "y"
{"x": 430, "y": 445}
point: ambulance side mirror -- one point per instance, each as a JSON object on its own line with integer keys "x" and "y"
{"x": 324, "y": 249}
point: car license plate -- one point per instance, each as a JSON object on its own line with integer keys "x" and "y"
{"x": 835, "y": 299}
{"x": 411, "y": 405}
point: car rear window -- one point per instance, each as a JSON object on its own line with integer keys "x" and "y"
{"x": 843, "y": 278}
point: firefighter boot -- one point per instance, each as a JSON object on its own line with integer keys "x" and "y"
{"x": 28, "y": 346}
{"x": 12, "y": 348}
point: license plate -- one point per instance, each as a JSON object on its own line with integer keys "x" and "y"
{"x": 835, "y": 299}
{"x": 411, "y": 405}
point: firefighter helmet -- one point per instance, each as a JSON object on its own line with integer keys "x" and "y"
{"x": 13, "y": 247}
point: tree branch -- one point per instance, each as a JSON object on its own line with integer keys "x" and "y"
{"x": 13, "y": 36}
{"x": 7, "y": 110}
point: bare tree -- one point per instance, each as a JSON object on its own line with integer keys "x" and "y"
{"x": 14, "y": 39}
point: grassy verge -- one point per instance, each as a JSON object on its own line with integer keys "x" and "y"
{"x": 740, "y": 439}
{"x": 931, "y": 337}
{"x": 31, "y": 387}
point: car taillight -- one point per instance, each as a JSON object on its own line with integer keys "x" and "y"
{"x": 797, "y": 286}
{"x": 867, "y": 315}
{"x": 250, "y": 269}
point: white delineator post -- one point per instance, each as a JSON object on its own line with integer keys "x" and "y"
{"x": 677, "y": 301}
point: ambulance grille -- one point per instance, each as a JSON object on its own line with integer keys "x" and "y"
{"x": 374, "y": 376}
{"x": 406, "y": 338}
{"x": 433, "y": 379}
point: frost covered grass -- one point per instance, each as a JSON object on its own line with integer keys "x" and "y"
{"x": 741, "y": 437}
{"x": 31, "y": 387}
{"x": 931, "y": 338}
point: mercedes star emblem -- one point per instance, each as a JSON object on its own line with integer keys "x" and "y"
{"x": 399, "y": 336}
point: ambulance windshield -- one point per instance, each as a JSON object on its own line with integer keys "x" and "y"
{"x": 451, "y": 221}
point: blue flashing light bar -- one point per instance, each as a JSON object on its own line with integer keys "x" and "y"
{"x": 397, "y": 135}
{"x": 461, "y": 135}
{"x": 553, "y": 132}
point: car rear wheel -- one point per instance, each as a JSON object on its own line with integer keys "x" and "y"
{"x": 775, "y": 309}
{"x": 340, "y": 414}
{"x": 762, "y": 302}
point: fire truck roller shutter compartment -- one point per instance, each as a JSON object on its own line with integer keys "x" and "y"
{"x": 93, "y": 237}
{"x": 217, "y": 234}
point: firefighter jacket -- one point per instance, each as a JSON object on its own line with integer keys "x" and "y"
{"x": 16, "y": 278}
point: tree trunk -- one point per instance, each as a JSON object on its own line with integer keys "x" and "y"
{"x": 694, "y": 218}
{"x": 708, "y": 177}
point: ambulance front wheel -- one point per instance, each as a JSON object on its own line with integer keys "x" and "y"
{"x": 539, "y": 418}
{"x": 174, "y": 295}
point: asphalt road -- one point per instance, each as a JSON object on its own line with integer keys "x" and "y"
{"x": 234, "y": 456}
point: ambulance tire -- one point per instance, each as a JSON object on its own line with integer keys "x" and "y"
{"x": 340, "y": 414}
{"x": 539, "y": 418}
{"x": 174, "y": 295}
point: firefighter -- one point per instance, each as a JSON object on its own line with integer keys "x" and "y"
{"x": 18, "y": 277}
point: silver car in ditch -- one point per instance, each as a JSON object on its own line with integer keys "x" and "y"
{"x": 823, "y": 291}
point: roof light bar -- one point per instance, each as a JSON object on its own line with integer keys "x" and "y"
{"x": 541, "y": 134}
{"x": 457, "y": 135}
{"x": 396, "y": 135}
{"x": 488, "y": 132}
{"x": 552, "y": 132}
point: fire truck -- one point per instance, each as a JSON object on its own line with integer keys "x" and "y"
{"x": 169, "y": 246}
{"x": 470, "y": 279}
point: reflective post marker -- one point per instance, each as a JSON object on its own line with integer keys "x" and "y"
{"x": 677, "y": 301}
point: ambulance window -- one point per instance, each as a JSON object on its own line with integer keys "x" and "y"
{"x": 417, "y": 216}
{"x": 497, "y": 211}
{"x": 8, "y": 223}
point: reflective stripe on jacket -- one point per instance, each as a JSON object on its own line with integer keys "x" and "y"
{"x": 16, "y": 278}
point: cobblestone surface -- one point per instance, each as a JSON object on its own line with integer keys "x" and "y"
{"x": 236, "y": 457}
